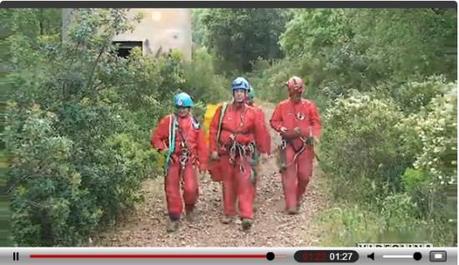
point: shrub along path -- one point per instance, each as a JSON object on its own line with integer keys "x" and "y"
{"x": 146, "y": 226}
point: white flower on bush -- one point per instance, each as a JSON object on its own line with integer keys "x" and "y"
{"x": 437, "y": 127}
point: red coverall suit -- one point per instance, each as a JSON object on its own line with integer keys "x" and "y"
{"x": 188, "y": 133}
{"x": 295, "y": 177}
{"x": 242, "y": 124}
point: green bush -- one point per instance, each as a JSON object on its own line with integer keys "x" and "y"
{"x": 406, "y": 168}
{"x": 125, "y": 165}
{"x": 432, "y": 182}
{"x": 78, "y": 129}
{"x": 399, "y": 212}
{"x": 362, "y": 128}
{"x": 347, "y": 225}
{"x": 241, "y": 35}
{"x": 365, "y": 48}
{"x": 437, "y": 132}
{"x": 268, "y": 78}
{"x": 50, "y": 205}
{"x": 395, "y": 221}
{"x": 413, "y": 96}
{"x": 429, "y": 136}
{"x": 202, "y": 81}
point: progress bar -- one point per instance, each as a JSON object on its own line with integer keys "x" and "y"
{"x": 148, "y": 256}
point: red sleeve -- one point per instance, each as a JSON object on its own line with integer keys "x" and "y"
{"x": 213, "y": 129}
{"x": 266, "y": 136}
{"x": 314, "y": 120}
{"x": 262, "y": 139}
{"x": 276, "y": 119}
{"x": 202, "y": 151}
{"x": 161, "y": 134}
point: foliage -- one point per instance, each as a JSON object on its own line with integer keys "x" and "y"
{"x": 409, "y": 178}
{"x": 433, "y": 179}
{"x": 362, "y": 128}
{"x": 269, "y": 77}
{"x": 78, "y": 128}
{"x": 346, "y": 225}
{"x": 413, "y": 96}
{"x": 50, "y": 204}
{"x": 239, "y": 36}
{"x": 314, "y": 29}
{"x": 437, "y": 132}
{"x": 430, "y": 137}
{"x": 202, "y": 80}
{"x": 198, "y": 33}
{"x": 345, "y": 49}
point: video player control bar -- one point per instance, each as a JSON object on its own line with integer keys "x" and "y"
{"x": 112, "y": 256}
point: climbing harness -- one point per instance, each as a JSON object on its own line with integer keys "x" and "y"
{"x": 185, "y": 152}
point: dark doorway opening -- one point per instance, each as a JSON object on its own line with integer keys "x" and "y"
{"x": 125, "y": 47}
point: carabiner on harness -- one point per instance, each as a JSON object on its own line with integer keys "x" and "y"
{"x": 283, "y": 144}
{"x": 237, "y": 150}
{"x": 184, "y": 156}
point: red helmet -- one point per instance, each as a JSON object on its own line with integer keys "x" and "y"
{"x": 295, "y": 84}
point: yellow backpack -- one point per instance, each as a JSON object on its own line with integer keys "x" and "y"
{"x": 209, "y": 115}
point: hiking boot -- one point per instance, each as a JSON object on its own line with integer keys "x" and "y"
{"x": 227, "y": 219}
{"x": 246, "y": 224}
{"x": 172, "y": 226}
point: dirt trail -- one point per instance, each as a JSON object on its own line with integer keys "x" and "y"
{"x": 272, "y": 227}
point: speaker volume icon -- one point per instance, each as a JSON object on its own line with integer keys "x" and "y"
{"x": 371, "y": 256}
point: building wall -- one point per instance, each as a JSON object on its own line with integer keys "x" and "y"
{"x": 162, "y": 30}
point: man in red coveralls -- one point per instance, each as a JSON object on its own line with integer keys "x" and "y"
{"x": 179, "y": 136}
{"x": 233, "y": 140}
{"x": 298, "y": 122}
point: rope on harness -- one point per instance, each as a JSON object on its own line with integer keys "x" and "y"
{"x": 172, "y": 126}
{"x": 185, "y": 152}
{"x": 237, "y": 150}
{"x": 297, "y": 153}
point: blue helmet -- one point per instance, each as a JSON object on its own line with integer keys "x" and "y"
{"x": 183, "y": 100}
{"x": 240, "y": 83}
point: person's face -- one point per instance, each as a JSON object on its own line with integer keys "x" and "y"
{"x": 296, "y": 94}
{"x": 239, "y": 95}
{"x": 183, "y": 111}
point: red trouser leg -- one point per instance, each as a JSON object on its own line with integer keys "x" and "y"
{"x": 229, "y": 186}
{"x": 172, "y": 188}
{"x": 290, "y": 179}
{"x": 304, "y": 163}
{"x": 245, "y": 189}
{"x": 190, "y": 186}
